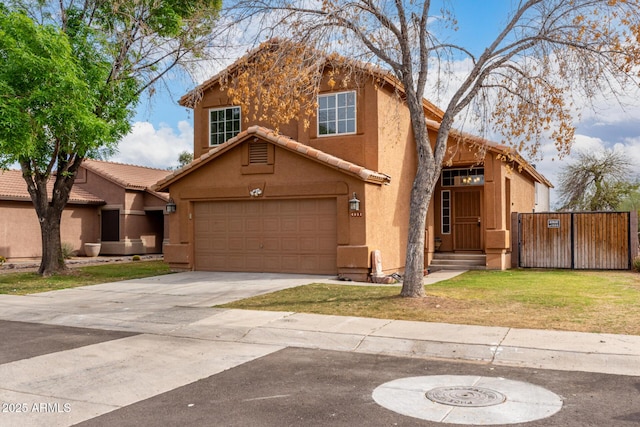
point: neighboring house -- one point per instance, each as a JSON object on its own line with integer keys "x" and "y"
{"x": 256, "y": 200}
{"x": 110, "y": 203}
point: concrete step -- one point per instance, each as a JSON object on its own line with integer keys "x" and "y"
{"x": 457, "y": 261}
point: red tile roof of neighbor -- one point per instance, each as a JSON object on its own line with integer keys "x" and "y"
{"x": 131, "y": 177}
{"x": 283, "y": 142}
{"x": 13, "y": 187}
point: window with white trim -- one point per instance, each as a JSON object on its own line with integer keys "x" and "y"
{"x": 224, "y": 124}
{"x": 445, "y": 211}
{"x": 337, "y": 113}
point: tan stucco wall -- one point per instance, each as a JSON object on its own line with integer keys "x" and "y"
{"x": 522, "y": 192}
{"x": 357, "y": 148}
{"x": 139, "y": 233}
{"x": 388, "y": 206}
{"x": 112, "y": 193}
{"x": 20, "y": 231}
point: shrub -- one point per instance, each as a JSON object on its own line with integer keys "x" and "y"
{"x": 67, "y": 250}
{"x": 636, "y": 264}
{"x": 135, "y": 258}
{"x": 2, "y": 260}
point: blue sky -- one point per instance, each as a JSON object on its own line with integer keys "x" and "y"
{"x": 162, "y": 124}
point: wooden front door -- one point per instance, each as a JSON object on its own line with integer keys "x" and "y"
{"x": 467, "y": 223}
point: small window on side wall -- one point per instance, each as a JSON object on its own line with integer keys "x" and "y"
{"x": 224, "y": 124}
{"x": 445, "y": 212}
{"x": 337, "y": 114}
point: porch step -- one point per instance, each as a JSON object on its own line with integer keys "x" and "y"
{"x": 457, "y": 261}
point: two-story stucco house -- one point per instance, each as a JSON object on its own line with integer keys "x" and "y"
{"x": 320, "y": 199}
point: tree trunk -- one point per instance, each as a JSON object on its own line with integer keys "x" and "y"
{"x": 52, "y": 257}
{"x": 49, "y": 212}
{"x": 412, "y": 285}
{"x": 427, "y": 174}
{"x": 421, "y": 192}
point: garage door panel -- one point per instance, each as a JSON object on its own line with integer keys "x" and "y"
{"x": 271, "y": 244}
{"x": 202, "y": 227}
{"x": 289, "y": 244}
{"x": 272, "y": 263}
{"x": 308, "y": 244}
{"x": 325, "y": 224}
{"x": 297, "y": 236}
{"x": 233, "y": 261}
{"x": 271, "y": 225}
{"x": 234, "y": 224}
{"x": 291, "y": 207}
{"x": 289, "y": 225}
{"x": 252, "y": 225}
{"x": 229, "y": 209}
{"x": 250, "y": 244}
{"x": 308, "y": 225}
{"x": 310, "y": 262}
{"x": 233, "y": 243}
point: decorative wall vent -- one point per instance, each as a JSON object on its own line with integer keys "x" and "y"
{"x": 258, "y": 153}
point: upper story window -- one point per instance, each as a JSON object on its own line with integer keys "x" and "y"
{"x": 337, "y": 113}
{"x": 224, "y": 124}
{"x": 456, "y": 177}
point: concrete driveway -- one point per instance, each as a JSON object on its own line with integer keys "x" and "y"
{"x": 109, "y": 354}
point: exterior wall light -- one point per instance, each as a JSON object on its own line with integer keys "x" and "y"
{"x": 171, "y": 206}
{"x": 354, "y": 204}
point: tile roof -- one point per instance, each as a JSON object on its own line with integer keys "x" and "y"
{"x": 194, "y": 96}
{"x": 13, "y": 187}
{"x": 496, "y": 148}
{"x": 131, "y": 177}
{"x": 283, "y": 142}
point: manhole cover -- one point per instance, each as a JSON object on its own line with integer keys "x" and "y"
{"x": 467, "y": 399}
{"x": 473, "y": 397}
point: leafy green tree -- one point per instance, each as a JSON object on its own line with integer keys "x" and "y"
{"x": 596, "y": 181}
{"x": 71, "y": 74}
{"x": 47, "y": 119}
{"x": 631, "y": 202}
{"x": 184, "y": 158}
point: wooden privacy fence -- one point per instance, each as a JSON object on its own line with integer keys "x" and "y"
{"x": 585, "y": 240}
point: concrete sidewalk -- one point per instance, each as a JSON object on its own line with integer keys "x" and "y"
{"x": 171, "y": 328}
{"x": 180, "y": 304}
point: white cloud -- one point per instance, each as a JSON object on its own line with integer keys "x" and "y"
{"x": 631, "y": 147}
{"x": 159, "y": 148}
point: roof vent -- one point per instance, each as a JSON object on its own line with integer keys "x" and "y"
{"x": 258, "y": 153}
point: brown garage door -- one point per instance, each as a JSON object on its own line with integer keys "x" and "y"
{"x": 288, "y": 236}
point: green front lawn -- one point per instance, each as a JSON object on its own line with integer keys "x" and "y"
{"x": 29, "y": 283}
{"x": 588, "y": 301}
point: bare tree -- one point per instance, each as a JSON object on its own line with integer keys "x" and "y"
{"x": 522, "y": 83}
{"x": 596, "y": 181}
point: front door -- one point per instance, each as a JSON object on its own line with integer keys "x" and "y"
{"x": 467, "y": 225}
